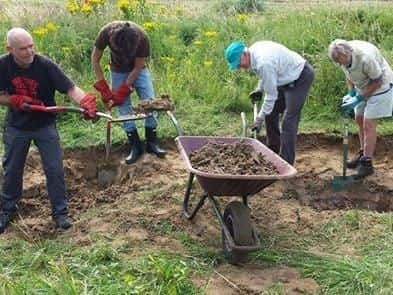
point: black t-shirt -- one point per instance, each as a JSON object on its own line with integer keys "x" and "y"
{"x": 39, "y": 81}
{"x": 122, "y": 61}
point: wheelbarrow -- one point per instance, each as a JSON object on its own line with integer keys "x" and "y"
{"x": 239, "y": 236}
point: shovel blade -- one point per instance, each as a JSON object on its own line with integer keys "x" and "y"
{"x": 342, "y": 182}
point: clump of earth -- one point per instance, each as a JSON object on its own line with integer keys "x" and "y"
{"x": 163, "y": 103}
{"x": 237, "y": 158}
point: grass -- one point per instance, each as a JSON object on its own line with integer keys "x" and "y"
{"x": 355, "y": 249}
{"x": 51, "y": 267}
{"x": 354, "y": 253}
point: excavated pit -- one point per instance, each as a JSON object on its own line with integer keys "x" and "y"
{"x": 318, "y": 160}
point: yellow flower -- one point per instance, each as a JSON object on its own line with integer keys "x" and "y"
{"x": 149, "y": 26}
{"x": 208, "y": 63}
{"x": 72, "y": 7}
{"x": 66, "y": 49}
{"x": 123, "y": 4}
{"x": 242, "y": 18}
{"x": 168, "y": 59}
{"x": 210, "y": 34}
{"x": 40, "y": 32}
{"x": 179, "y": 10}
{"x": 198, "y": 42}
{"x": 52, "y": 26}
{"x": 86, "y": 9}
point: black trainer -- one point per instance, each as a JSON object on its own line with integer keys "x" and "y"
{"x": 354, "y": 162}
{"x": 365, "y": 167}
{"x": 5, "y": 219}
{"x": 63, "y": 222}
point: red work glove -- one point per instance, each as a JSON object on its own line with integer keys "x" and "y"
{"x": 121, "y": 93}
{"x": 103, "y": 87}
{"x": 17, "y": 101}
{"x": 88, "y": 102}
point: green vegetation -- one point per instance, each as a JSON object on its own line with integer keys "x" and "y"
{"x": 187, "y": 62}
{"x": 58, "y": 268}
{"x": 357, "y": 254}
{"x": 187, "y": 56}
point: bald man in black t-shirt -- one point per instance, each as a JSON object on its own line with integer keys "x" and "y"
{"x": 29, "y": 78}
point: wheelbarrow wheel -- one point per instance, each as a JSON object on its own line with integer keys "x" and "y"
{"x": 237, "y": 219}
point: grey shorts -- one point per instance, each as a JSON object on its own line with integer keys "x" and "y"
{"x": 377, "y": 106}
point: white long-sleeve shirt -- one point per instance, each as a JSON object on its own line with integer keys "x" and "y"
{"x": 275, "y": 65}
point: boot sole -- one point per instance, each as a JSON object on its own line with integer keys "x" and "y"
{"x": 352, "y": 167}
{"x": 157, "y": 154}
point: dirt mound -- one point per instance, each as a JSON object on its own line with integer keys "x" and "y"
{"x": 238, "y": 158}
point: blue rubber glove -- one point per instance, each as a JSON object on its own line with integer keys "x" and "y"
{"x": 351, "y": 103}
{"x": 352, "y": 92}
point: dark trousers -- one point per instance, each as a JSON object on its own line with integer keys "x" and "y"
{"x": 290, "y": 102}
{"x": 16, "y": 147}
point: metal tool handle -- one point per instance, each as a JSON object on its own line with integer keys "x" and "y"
{"x": 51, "y": 109}
{"x": 58, "y": 109}
{"x": 108, "y": 137}
{"x": 255, "y": 106}
{"x": 175, "y": 123}
{"x": 345, "y": 143}
{"x": 244, "y": 124}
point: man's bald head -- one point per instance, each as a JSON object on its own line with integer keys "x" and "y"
{"x": 21, "y": 46}
{"x": 16, "y": 34}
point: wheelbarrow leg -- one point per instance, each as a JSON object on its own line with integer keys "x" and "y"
{"x": 245, "y": 200}
{"x": 190, "y": 215}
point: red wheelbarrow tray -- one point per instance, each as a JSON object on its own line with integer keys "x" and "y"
{"x": 229, "y": 184}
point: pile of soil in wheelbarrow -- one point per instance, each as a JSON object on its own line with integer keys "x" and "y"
{"x": 158, "y": 104}
{"x": 238, "y": 158}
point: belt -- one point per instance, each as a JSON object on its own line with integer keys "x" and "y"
{"x": 293, "y": 83}
{"x": 385, "y": 91}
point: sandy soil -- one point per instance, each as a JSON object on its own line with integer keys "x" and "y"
{"x": 145, "y": 200}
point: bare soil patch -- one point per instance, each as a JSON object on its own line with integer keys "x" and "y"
{"x": 143, "y": 206}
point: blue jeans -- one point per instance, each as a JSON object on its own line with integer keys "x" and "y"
{"x": 143, "y": 85}
{"x": 16, "y": 147}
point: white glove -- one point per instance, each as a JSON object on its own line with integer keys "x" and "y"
{"x": 351, "y": 103}
{"x": 258, "y": 123}
{"x": 346, "y": 98}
